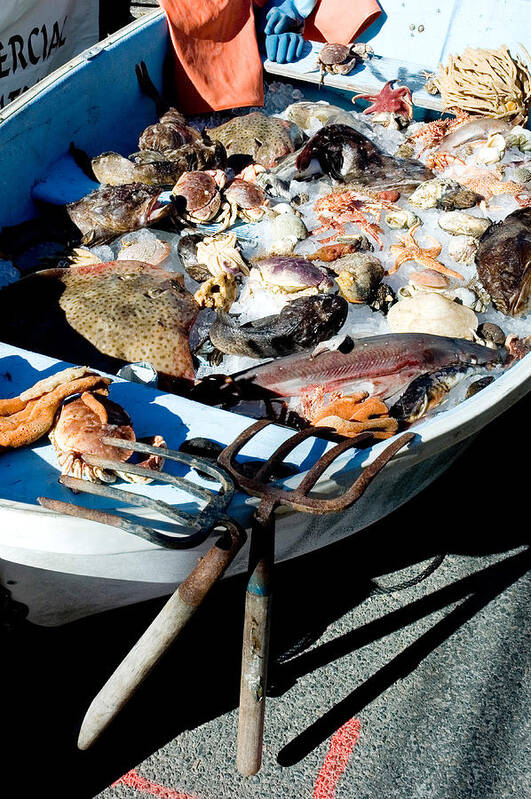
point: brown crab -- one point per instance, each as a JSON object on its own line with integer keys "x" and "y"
{"x": 338, "y": 59}
{"x": 205, "y": 201}
{"x": 79, "y": 429}
{"x": 245, "y": 200}
{"x": 200, "y": 192}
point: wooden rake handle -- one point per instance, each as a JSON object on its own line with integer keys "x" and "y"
{"x": 160, "y": 634}
{"x": 255, "y": 648}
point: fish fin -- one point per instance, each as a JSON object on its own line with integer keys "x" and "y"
{"x": 342, "y": 343}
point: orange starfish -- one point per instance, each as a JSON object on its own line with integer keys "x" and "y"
{"x": 409, "y": 250}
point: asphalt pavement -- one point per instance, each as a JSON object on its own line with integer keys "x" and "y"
{"x": 426, "y": 685}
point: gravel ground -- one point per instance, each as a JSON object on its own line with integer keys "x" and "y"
{"x": 435, "y": 673}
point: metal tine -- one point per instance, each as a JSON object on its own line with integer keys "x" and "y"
{"x": 142, "y": 471}
{"x": 86, "y": 487}
{"x": 285, "y": 448}
{"x": 147, "y": 533}
{"x": 173, "y": 455}
{"x": 326, "y": 459}
{"x": 360, "y": 484}
{"x": 230, "y": 451}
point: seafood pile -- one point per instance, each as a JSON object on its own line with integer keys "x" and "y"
{"x": 354, "y": 267}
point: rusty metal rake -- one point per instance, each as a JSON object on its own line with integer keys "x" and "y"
{"x": 261, "y": 558}
{"x": 180, "y": 607}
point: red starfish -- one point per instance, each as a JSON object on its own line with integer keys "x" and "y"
{"x": 396, "y": 101}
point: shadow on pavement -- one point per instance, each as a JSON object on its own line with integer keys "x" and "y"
{"x": 52, "y": 674}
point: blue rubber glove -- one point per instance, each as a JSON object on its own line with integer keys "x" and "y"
{"x": 282, "y": 18}
{"x": 284, "y": 47}
{"x": 287, "y": 16}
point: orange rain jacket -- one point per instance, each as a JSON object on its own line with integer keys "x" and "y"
{"x": 218, "y": 65}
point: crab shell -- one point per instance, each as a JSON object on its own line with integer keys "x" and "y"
{"x": 201, "y": 194}
{"x": 430, "y": 312}
{"x": 79, "y": 429}
{"x": 333, "y": 55}
{"x": 287, "y": 274}
{"x": 248, "y": 198}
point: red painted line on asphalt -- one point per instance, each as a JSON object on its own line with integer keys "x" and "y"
{"x": 341, "y": 745}
{"x": 133, "y": 780}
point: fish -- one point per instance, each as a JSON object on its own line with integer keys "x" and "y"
{"x": 265, "y": 139}
{"x": 503, "y": 261}
{"x": 302, "y": 323}
{"x": 387, "y": 363}
{"x": 479, "y": 128}
{"x": 106, "y": 212}
{"x": 427, "y": 391}
{"x": 104, "y": 314}
{"x": 349, "y": 157}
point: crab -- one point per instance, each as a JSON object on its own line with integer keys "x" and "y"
{"x": 409, "y": 250}
{"x": 220, "y": 253}
{"x": 389, "y": 101}
{"x": 289, "y": 274}
{"x": 200, "y": 192}
{"x": 490, "y": 184}
{"x": 348, "y": 205}
{"x": 351, "y": 414}
{"x": 245, "y": 200}
{"x": 338, "y": 59}
{"x": 79, "y": 429}
{"x": 28, "y": 417}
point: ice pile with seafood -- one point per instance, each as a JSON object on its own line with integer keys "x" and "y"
{"x": 321, "y": 265}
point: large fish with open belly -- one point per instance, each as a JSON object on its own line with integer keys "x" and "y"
{"x": 383, "y": 364}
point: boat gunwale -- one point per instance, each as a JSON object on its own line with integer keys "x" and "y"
{"x": 448, "y": 427}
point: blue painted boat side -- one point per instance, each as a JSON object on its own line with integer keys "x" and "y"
{"x": 96, "y": 103}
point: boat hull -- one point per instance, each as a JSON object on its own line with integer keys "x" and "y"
{"x": 63, "y": 569}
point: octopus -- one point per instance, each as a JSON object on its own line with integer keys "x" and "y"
{"x": 116, "y": 312}
{"x": 265, "y": 139}
{"x": 28, "y": 417}
{"x": 220, "y": 253}
{"x": 79, "y": 430}
{"x": 503, "y": 261}
{"x": 409, "y": 250}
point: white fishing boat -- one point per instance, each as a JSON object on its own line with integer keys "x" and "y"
{"x": 65, "y": 568}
